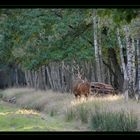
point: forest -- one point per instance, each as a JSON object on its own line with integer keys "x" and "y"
{"x": 43, "y": 51}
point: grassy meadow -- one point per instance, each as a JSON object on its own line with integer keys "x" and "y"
{"x": 24, "y": 109}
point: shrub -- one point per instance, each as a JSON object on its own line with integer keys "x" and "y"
{"x": 113, "y": 121}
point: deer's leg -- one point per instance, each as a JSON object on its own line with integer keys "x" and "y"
{"x": 86, "y": 95}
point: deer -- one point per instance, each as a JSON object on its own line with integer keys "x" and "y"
{"x": 80, "y": 86}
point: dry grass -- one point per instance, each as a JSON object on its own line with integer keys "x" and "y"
{"x": 62, "y": 101}
{"x": 64, "y": 105}
{"x": 39, "y": 100}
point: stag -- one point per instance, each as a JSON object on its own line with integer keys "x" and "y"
{"x": 81, "y": 87}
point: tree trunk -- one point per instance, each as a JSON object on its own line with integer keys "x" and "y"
{"x": 30, "y": 78}
{"x": 49, "y": 77}
{"x": 16, "y": 77}
{"x": 133, "y": 62}
{"x": 44, "y": 78}
{"x": 40, "y": 79}
{"x": 92, "y": 72}
{"x": 36, "y": 79}
{"x": 125, "y": 74}
{"x": 129, "y": 64}
{"x": 96, "y": 46}
{"x": 63, "y": 79}
{"x": 55, "y": 76}
{"x": 27, "y": 78}
{"x": 102, "y": 68}
{"x": 33, "y": 78}
{"x": 137, "y": 88}
{"x": 118, "y": 78}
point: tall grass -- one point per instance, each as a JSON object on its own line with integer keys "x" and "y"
{"x": 102, "y": 113}
{"x": 70, "y": 114}
{"x": 113, "y": 121}
{"x": 79, "y": 112}
{"x": 47, "y": 101}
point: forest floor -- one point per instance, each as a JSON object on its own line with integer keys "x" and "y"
{"x": 23, "y": 109}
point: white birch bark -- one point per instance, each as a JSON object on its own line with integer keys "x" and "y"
{"x": 133, "y": 63}
{"x": 129, "y": 62}
{"x": 137, "y": 89}
{"x": 125, "y": 84}
{"x": 96, "y": 47}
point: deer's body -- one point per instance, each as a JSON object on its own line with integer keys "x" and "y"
{"x": 81, "y": 88}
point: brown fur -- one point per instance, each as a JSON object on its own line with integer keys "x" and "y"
{"x": 82, "y": 88}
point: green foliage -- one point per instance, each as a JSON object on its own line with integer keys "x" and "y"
{"x": 109, "y": 39}
{"x": 119, "y": 16}
{"x": 34, "y": 37}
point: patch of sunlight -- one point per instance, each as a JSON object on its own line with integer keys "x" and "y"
{"x": 33, "y": 127}
{"x": 26, "y": 112}
{"x": 79, "y": 101}
{"x": 113, "y": 98}
{"x": 90, "y": 99}
{"x": 5, "y": 113}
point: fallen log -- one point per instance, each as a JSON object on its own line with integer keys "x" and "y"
{"x": 102, "y": 88}
{"x": 101, "y": 85}
{"x": 106, "y": 91}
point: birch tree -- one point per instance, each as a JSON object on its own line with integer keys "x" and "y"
{"x": 96, "y": 46}
{"x": 130, "y": 62}
{"x": 125, "y": 83}
{"x": 137, "y": 88}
